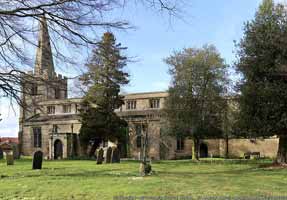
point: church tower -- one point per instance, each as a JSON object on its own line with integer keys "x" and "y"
{"x": 41, "y": 84}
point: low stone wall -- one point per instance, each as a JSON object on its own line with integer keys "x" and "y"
{"x": 237, "y": 148}
{"x": 266, "y": 147}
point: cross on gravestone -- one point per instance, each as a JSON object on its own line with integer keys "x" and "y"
{"x": 37, "y": 160}
{"x": 115, "y": 155}
{"x": 100, "y": 156}
{"x": 109, "y": 155}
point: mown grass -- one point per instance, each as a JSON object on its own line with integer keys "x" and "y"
{"x": 71, "y": 179}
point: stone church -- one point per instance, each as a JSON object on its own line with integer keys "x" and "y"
{"x": 51, "y": 122}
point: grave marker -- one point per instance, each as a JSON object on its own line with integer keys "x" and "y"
{"x": 100, "y": 156}
{"x": 37, "y": 160}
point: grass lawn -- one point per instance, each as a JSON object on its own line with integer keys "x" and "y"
{"x": 85, "y": 180}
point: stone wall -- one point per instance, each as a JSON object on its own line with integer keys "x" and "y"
{"x": 266, "y": 147}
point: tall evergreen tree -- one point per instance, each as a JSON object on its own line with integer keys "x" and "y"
{"x": 193, "y": 108}
{"x": 262, "y": 61}
{"x": 104, "y": 79}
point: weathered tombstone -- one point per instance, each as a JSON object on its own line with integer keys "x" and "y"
{"x": 37, "y": 160}
{"x": 108, "y": 155}
{"x": 9, "y": 157}
{"x": 1, "y": 154}
{"x": 8, "y": 151}
{"x": 100, "y": 156}
{"x": 115, "y": 155}
{"x": 16, "y": 152}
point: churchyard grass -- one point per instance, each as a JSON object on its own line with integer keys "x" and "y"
{"x": 84, "y": 179}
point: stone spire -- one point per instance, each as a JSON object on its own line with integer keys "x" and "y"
{"x": 44, "y": 59}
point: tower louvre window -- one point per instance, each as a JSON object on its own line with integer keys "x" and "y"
{"x": 37, "y": 137}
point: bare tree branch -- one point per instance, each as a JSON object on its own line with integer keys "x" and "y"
{"x": 72, "y": 23}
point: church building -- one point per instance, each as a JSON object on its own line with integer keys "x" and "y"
{"x": 51, "y": 121}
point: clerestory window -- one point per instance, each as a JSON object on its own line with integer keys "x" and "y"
{"x": 131, "y": 105}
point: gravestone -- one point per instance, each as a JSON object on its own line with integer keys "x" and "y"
{"x": 37, "y": 160}
{"x": 100, "y": 156}
{"x": 109, "y": 155}
{"x": 9, "y": 157}
{"x": 115, "y": 155}
{"x": 16, "y": 152}
{"x": 1, "y": 154}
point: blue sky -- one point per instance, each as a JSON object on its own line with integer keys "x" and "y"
{"x": 155, "y": 37}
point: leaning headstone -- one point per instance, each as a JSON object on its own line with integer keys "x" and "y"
{"x": 9, "y": 158}
{"x": 115, "y": 155}
{"x": 1, "y": 154}
{"x": 108, "y": 155}
{"x": 100, "y": 156}
{"x": 37, "y": 160}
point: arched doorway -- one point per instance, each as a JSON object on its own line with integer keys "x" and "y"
{"x": 203, "y": 150}
{"x": 58, "y": 149}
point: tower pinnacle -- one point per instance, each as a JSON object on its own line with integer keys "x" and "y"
{"x": 44, "y": 58}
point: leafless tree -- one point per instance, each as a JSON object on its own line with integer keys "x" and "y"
{"x": 73, "y": 25}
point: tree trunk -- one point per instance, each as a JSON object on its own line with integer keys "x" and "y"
{"x": 226, "y": 147}
{"x": 282, "y": 150}
{"x": 195, "y": 149}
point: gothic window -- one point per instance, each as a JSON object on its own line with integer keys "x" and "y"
{"x": 51, "y": 109}
{"x": 66, "y": 108}
{"x": 37, "y": 137}
{"x": 180, "y": 143}
{"x": 154, "y": 103}
{"x": 131, "y": 105}
{"x": 34, "y": 89}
